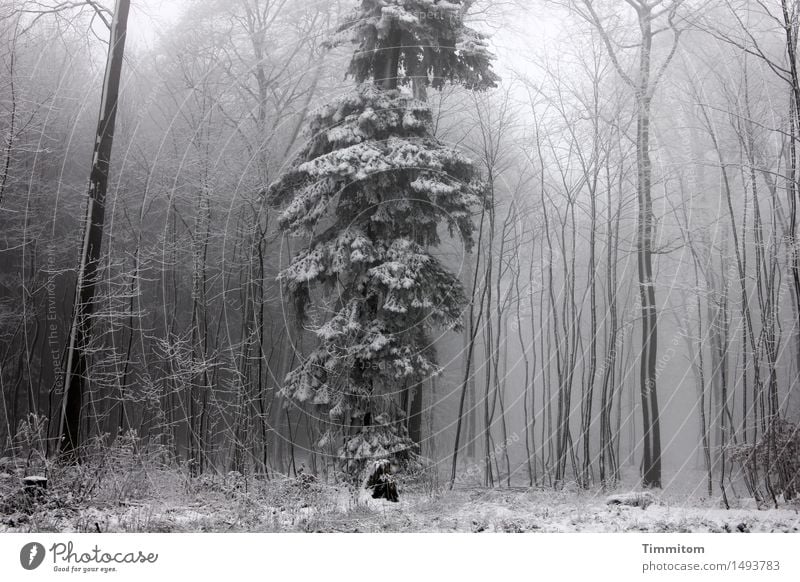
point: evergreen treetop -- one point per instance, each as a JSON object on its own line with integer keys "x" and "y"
{"x": 424, "y": 41}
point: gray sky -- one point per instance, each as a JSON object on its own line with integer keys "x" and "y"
{"x": 150, "y": 18}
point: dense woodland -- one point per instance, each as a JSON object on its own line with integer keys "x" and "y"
{"x": 503, "y": 243}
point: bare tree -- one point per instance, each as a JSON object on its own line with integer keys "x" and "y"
{"x": 651, "y": 16}
{"x": 74, "y": 383}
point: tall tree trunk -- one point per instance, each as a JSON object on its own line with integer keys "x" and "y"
{"x": 471, "y": 331}
{"x": 645, "y": 233}
{"x": 76, "y": 361}
{"x": 790, "y": 24}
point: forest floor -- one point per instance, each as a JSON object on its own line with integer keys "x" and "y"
{"x": 162, "y": 502}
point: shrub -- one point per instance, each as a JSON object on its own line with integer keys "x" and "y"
{"x": 775, "y": 456}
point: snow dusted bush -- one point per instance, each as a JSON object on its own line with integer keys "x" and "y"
{"x": 775, "y": 456}
{"x": 115, "y": 470}
{"x": 30, "y": 442}
{"x": 298, "y": 492}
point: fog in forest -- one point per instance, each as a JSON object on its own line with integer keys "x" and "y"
{"x": 544, "y": 245}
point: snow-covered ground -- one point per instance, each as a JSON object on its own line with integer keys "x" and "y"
{"x": 309, "y": 506}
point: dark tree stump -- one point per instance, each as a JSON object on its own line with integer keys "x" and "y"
{"x": 635, "y": 499}
{"x": 381, "y": 482}
{"x": 34, "y": 485}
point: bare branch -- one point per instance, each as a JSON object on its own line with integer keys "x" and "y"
{"x": 612, "y": 53}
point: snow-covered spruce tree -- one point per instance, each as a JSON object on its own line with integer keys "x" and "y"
{"x": 370, "y": 191}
